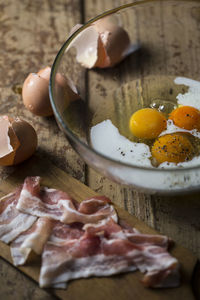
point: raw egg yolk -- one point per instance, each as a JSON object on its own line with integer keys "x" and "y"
{"x": 172, "y": 148}
{"x": 147, "y": 123}
{"x": 186, "y": 117}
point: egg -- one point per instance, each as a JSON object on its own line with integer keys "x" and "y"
{"x": 186, "y": 117}
{"x": 18, "y": 140}
{"x": 173, "y": 148}
{"x": 35, "y": 92}
{"x": 103, "y": 44}
{"x": 147, "y": 123}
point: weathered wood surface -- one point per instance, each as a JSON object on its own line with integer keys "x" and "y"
{"x": 31, "y": 33}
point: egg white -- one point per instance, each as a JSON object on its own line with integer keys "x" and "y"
{"x": 106, "y": 139}
{"x": 171, "y": 128}
{"x": 192, "y": 97}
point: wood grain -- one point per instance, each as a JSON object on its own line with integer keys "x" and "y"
{"x": 115, "y": 287}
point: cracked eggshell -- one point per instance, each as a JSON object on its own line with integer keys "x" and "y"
{"x": 86, "y": 45}
{"x": 115, "y": 40}
{"x": 18, "y": 141}
{"x": 35, "y": 94}
{"x": 102, "y": 45}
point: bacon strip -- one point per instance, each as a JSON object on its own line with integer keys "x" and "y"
{"x": 59, "y": 206}
{"x": 12, "y": 221}
{"x": 32, "y": 239}
{"x": 105, "y": 250}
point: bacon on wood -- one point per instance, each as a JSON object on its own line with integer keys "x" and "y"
{"x": 32, "y": 239}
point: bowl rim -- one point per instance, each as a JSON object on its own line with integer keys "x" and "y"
{"x": 58, "y": 116}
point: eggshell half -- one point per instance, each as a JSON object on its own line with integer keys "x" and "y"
{"x": 18, "y": 141}
{"x": 27, "y": 137}
{"x": 102, "y": 45}
{"x": 86, "y": 45}
{"x": 9, "y": 142}
{"x": 35, "y": 94}
{"x": 114, "y": 38}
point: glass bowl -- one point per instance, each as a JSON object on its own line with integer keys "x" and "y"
{"x": 165, "y": 40}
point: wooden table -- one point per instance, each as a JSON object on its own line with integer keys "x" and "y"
{"x": 31, "y": 33}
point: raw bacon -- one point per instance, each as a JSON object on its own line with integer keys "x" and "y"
{"x": 32, "y": 239}
{"x": 12, "y": 221}
{"x": 80, "y": 240}
{"x": 59, "y": 206}
{"x": 105, "y": 250}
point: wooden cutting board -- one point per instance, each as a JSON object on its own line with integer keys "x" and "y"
{"x": 124, "y": 286}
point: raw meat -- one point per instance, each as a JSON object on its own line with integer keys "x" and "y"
{"x": 108, "y": 249}
{"x": 60, "y": 206}
{"x": 32, "y": 239}
{"x": 12, "y": 221}
{"x": 80, "y": 240}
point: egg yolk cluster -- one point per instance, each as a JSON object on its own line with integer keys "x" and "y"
{"x": 148, "y": 123}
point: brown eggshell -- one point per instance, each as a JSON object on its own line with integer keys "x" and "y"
{"x": 86, "y": 45}
{"x": 114, "y": 38}
{"x": 27, "y": 138}
{"x": 19, "y": 141}
{"x": 8, "y": 142}
{"x": 102, "y": 45}
{"x": 45, "y": 73}
{"x": 35, "y": 94}
{"x": 103, "y": 60}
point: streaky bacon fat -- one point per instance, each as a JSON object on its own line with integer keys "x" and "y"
{"x": 60, "y": 206}
{"x": 32, "y": 239}
{"x": 105, "y": 250}
{"x": 12, "y": 221}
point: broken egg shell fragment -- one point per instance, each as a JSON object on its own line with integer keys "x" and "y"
{"x": 86, "y": 45}
{"x": 27, "y": 137}
{"x": 114, "y": 38}
{"x": 8, "y": 142}
{"x": 19, "y": 139}
{"x": 102, "y": 45}
{"x": 35, "y": 94}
